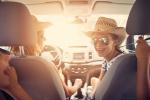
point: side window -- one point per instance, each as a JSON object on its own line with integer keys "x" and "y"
{"x": 130, "y": 44}
{"x": 148, "y": 39}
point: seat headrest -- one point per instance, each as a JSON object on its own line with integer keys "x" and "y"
{"x": 16, "y": 25}
{"x": 139, "y": 18}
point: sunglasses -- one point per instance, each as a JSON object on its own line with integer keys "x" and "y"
{"x": 101, "y": 41}
{"x": 4, "y": 51}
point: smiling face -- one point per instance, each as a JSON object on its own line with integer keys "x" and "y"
{"x": 105, "y": 44}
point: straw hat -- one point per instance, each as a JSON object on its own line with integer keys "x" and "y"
{"x": 108, "y": 25}
{"x": 38, "y": 26}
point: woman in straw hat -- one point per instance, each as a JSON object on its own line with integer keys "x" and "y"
{"x": 107, "y": 37}
{"x": 36, "y": 50}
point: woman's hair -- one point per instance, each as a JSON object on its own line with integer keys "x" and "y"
{"x": 31, "y": 50}
{"x": 115, "y": 37}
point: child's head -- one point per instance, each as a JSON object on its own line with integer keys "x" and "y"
{"x": 4, "y": 63}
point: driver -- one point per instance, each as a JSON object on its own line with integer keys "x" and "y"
{"x": 36, "y": 50}
{"x": 107, "y": 37}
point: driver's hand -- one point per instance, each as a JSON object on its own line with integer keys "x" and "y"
{"x": 94, "y": 81}
{"x": 78, "y": 83}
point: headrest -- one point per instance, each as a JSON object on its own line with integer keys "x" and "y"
{"x": 139, "y": 18}
{"x": 15, "y": 25}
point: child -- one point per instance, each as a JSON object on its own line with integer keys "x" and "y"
{"x": 8, "y": 78}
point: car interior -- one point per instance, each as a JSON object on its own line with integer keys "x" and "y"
{"x": 67, "y": 48}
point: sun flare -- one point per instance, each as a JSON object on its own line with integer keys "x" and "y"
{"x": 64, "y": 34}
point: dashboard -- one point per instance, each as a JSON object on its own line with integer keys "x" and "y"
{"x": 81, "y": 62}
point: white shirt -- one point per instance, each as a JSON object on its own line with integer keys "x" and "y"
{"x": 106, "y": 65}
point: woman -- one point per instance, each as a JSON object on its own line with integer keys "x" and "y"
{"x": 34, "y": 50}
{"x": 107, "y": 37}
{"x": 8, "y": 79}
{"x": 143, "y": 62}
{"x": 37, "y": 49}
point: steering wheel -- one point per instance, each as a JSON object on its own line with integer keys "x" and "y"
{"x": 55, "y": 53}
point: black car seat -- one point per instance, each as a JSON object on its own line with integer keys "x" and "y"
{"x": 119, "y": 82}
{"x": 138, "y": 22}
{"x": 37, "y": 76}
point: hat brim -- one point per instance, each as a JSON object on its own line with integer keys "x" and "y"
{"x": 120, "y": 32}
{"x": 42, "y": 25}
{"x": 38, "y": 25}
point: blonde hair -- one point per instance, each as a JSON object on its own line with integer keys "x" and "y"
{"x": 34, "y": 50}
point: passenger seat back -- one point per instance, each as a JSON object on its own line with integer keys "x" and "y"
{"x": 119, "y": 82}
{"x": 39, "y": 78}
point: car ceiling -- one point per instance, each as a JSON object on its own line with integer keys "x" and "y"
{"x": 88, "y": 10}
{"x": 77, "y": 7}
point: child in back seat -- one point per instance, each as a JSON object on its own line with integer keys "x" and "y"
{"x": 8, "y": 78}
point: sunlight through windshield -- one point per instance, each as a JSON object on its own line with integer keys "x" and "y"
{"x": 64, "y": 33}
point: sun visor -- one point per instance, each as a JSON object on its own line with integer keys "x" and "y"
{"x": 16, "y": 25}
{"x": 43, "y": 7}
{"x": 49, "y": 8}
{"x": 104, "y": 7}
{"x": 138, "y": 22}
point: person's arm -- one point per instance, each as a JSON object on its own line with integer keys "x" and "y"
{"x": 148, "y": 75}
{"x": 14, "y": 87}
{"x": 142, "y": 51}
{"x": 19, "y": 93}
{"x": 142, "y": 84}
{"x": 70, "y": 90}
{"x": 103, "y": 71}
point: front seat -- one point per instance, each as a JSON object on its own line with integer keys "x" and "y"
{"x": 37, "y": 76}
{"x": 119, "y": 83}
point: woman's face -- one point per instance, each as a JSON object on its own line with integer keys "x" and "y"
{"x": 4, "y": 79}
{"x": 104, "y": 44}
